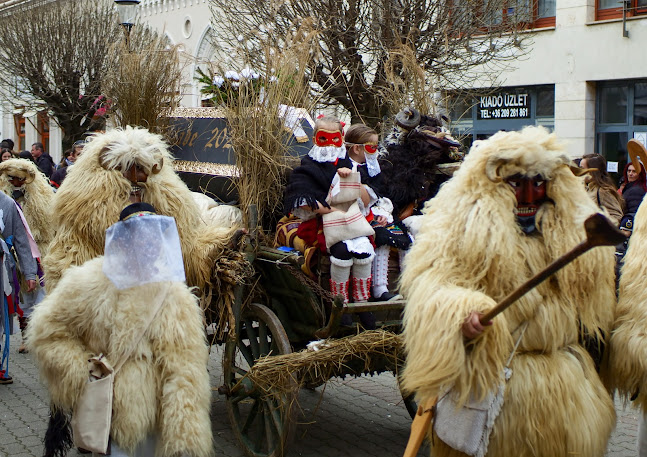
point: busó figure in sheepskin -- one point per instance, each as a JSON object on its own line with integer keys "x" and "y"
{"x": 27, "y": 185}
{"x": 628, "y": 345}
{"x": 162, "y": 395}
{"x": 115, "y": 167}
{"x": 21, "y": 180}
{"x": 513, "y": 207}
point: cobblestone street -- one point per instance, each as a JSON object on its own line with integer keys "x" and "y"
{"x": 356, "y": 417}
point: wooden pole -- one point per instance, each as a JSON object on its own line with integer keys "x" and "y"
{"x": 599, "y": 232}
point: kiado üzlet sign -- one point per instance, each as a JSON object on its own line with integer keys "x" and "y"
{"x": 504, "y": 106}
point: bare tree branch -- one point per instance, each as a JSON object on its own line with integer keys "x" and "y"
{"x": 361, "y": 43}
{"x": 54, "y": 56}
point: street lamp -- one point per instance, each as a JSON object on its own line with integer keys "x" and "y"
{"x": 127, "y": 10}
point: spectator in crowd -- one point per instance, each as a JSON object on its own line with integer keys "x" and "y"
{"x": 59, "y": 175}
{"x": 26, "y": 155}
{"x": 43, "y": 160}
{"x": 633, "y": 190}
{"x": 6, "y": 155}
{"x": 8, "y": 144}
{"x": 63, "y": 161}
{"x": 15, "y": 233}
{"x": 600, "y": 187}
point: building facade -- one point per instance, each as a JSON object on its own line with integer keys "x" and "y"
{"x": 185, "y": 23}
{"x": 584, "y": 78}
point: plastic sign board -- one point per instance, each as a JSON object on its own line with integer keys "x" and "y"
{"x": 503, "y": 105}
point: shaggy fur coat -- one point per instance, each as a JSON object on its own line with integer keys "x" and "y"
{"x": 469, "y": 254}
{"x": 36, "y": 203}
{"x": 94, "y": 193}
{"x": 628, "y": 345}
{"x": 163, "y": 387}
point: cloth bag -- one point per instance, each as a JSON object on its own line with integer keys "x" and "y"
{"x": 92, "y": 415}
{"x": 467, "y": 429}
{"x": 348, "y": 222}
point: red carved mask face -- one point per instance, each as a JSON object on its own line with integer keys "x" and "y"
{"x": 329, "y": 138}
{"x": 530, "y": 193}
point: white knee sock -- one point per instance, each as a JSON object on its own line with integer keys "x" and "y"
{"x": 340, "y": 269}
{"x": 381, "y": 271}
{"x": 362, "y": 279}
{"x": 339, "y": 276}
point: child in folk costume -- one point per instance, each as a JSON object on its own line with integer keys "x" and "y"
{"x": 361, "y": 146}
{"x": 312, "y": 187}
{"x": 513, "y": 207}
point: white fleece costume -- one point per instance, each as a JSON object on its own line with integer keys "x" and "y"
{"x": 469, "y": 254}
{"x": 628, "y": 345}
{"x": 95, "y": 191}
{"x": 162, "y": 389}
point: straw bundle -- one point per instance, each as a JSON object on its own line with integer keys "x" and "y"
{"x": 366, "y": 352}
{"x": 230, "y": 270}
{"x": 258, "y": 134}
{"x": 143, "y": 81}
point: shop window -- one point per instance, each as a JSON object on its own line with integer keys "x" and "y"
{"x": 613, "y": 105}
{"x": 612, "y": 9}
{"x": 621, "y": 115}
{"x": 546, "y": 103}
{"x": 640, "y": 104}
{"x": 527, "y": 14}
{"x": 477, "y": 114}
{"x": 613, "y": 146}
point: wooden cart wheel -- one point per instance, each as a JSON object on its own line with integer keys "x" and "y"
{"x": 262, "y": 425}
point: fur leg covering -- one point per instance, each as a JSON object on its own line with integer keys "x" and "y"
{"x": 628, "y": 342}
{"x": 642, "y": 436}
{"x": 381, "y": 271}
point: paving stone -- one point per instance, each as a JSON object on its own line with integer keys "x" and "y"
{"x": 356, "y": 416}
{"x": 12, "y": 448}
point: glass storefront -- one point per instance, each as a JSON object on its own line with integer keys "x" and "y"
{"x": 621, "y": 114}
{"x": 478, "y": 115}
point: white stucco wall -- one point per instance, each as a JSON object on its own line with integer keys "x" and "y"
{"x": 187, "y": 23}
{"x": 574, "y": 55}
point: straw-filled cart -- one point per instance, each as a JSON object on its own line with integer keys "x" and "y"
{"x": 280, "y": 327}
{"x": 291, "y": 337}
